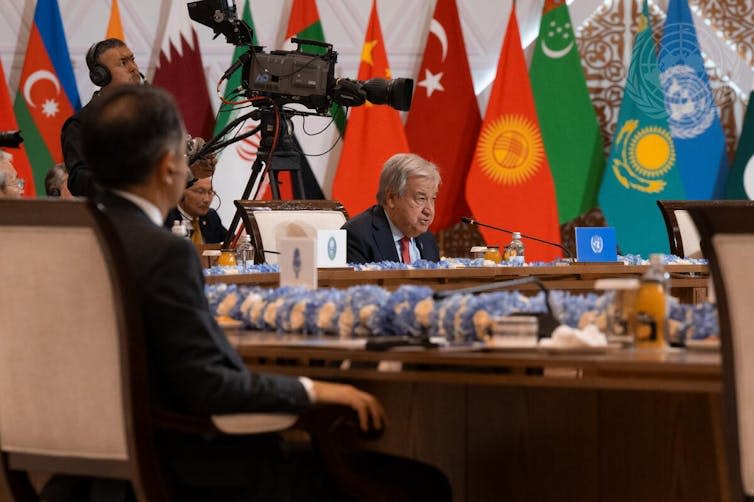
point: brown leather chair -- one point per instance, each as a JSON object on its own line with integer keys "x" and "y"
{"x": 727, "y": 232}
{"x": 683, "y": 235}
{"x": 74, "y": 395}
{"x": 264, "y": 220}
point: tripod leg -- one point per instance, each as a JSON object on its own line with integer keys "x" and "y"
{"x": 257, "y": 169}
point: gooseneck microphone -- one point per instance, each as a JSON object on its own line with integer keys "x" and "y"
{"x": 471, "y": 221}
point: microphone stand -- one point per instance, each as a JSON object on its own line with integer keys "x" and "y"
{"x": 472, "y": 221}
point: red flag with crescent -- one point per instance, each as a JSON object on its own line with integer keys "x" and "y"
{"x": 444, "y": 121}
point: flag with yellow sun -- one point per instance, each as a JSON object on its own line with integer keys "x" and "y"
{"x": 509, "y": 183}
{"x": 642, "y": 165}
{"x": 374, "y": 133}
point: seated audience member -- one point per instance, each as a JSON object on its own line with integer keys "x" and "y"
{"x": 194, "y": 210}
{"x": 56, "y": 182}
{"x": 135, "y": 144}
{"x": 11, "y": 186}
{"x": 396, "y": 228}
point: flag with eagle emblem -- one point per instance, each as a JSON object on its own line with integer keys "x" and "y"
{"x": 509, "y": 182}
{"x": 642, "y": 165}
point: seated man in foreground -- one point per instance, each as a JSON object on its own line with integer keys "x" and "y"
{"x": 396, "y": 228}
{"x": 135, "y": 145}
{"x": 193, "y": 209}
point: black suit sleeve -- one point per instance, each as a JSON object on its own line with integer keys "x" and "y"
{"x": 80, "y": 177}
{"x": 198, "y": 371}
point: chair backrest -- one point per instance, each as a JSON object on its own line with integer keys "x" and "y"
{"x": 73, "y": 392}
{"x": 728, "y": 243}
{"x": 683, "y": 235}
{"x": 265, "y": 220}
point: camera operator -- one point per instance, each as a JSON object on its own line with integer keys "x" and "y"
{"x": 111, "y": 65}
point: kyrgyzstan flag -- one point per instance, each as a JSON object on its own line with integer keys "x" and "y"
{"x": 8, "y": 123}
{"x": 181, "y": 72}
{"x": 47, "y": 93}
{"x": 444, "y": 121}
{"x": 374, "y": 132}
{"x": 509, "y": 183}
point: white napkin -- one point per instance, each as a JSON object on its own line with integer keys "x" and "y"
{"x": 566, "y": 337}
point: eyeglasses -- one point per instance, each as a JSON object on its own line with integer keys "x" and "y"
{"x": 18, "y": 183}
{"x": 21, "y": 184}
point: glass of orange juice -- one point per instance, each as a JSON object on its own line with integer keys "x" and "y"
{"x": 493, "y": 254}
{"x": 227, "y": 258}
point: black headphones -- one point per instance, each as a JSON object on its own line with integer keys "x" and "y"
{"x": 99, "y": 74}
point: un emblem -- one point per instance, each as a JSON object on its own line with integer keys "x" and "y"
{"x": 596, "y": 244}
{"x": 689, "y": 102}
{"x": 332, "y": 248}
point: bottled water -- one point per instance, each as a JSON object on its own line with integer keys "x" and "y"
{"x": 514, "y": 252}
{"x": 244, "y": 253}
{"x": 179, "y": 229}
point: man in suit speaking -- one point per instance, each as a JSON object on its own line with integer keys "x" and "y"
{"x": 396, "y": 228}
{"x": 135, "y": 144}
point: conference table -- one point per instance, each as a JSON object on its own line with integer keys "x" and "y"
{"x": 537, "y": 424}
{"x": 688, "y": 281}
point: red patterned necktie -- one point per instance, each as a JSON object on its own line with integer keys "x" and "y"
{"x": 405, "y": 251}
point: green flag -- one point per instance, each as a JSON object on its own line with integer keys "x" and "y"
{"x": 569, "y": 125}
{"x": 642, "y": 165}
{"x": 234, "y": 161}
{"x": 741, "y": 178}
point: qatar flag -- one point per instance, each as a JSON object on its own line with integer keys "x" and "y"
{"x": 181, "y": 72}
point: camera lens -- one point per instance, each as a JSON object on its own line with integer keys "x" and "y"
{"x": 395, "y": 92}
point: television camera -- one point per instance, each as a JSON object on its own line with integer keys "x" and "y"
{"x": 298, "y": 76}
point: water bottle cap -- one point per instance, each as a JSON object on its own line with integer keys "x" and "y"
{"x": 516, "y": 235}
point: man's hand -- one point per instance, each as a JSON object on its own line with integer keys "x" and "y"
{"x": 370, "y": 410}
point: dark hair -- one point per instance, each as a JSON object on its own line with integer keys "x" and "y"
{"x": 127, "y": 131}
{"x": 54, "y": 180}
{"x": 96, "y": 50}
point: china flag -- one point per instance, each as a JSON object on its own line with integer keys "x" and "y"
{"x": 374, "y": 132}
{"x": 509, "y": 183}
{"x": 444, "y": 121}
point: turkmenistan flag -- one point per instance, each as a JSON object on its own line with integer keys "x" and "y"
{"x": 567, "y": 118}
{"x": 642, "y": 165}
{"x": 741, "y": 178}
{"x": 47, "y": 93}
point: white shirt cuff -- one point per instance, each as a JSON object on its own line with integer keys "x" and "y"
{"x": 308, "y": 387}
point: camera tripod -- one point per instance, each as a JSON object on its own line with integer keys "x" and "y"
{"x": 278, "y": 152}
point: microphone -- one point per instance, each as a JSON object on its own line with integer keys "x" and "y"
{"x": 471, "y": 221}
{"x": 143, "y": 79}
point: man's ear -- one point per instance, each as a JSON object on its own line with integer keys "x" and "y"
{"x": 167, "y": 167}
{"x": 390, "y": 200}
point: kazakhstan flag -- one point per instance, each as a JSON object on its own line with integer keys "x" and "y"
{"x": 693, "y": 115}
{"x": 642, "y": 165}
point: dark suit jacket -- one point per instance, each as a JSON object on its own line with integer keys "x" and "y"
{"x": 193, "y": 368}
{"x": 80, "y": 176}
{"x": 212, "y": 228}
{"x": 370, "y": 239}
